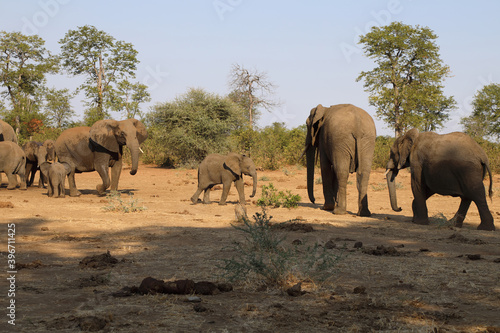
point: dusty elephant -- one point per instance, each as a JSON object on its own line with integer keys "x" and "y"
{"x": 13, "y": 162}
{"x": 100, "y": 147}
{"x": 224, "y": 169}
{"x": 55, "y": 173}
{"x": 344, "y": 136}
{"x": 450, "y": 164}
{"x": 36, "y": 153}
{"x": 7, "y": 133}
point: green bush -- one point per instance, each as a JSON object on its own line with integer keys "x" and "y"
{"x": 382, "y": 152}
{"x": 117, "y": 204}
{"x": 264, "y": 257}
{"x": 272, "y": 198}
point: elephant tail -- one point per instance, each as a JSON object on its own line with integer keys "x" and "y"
{"x": 490, "y": 190}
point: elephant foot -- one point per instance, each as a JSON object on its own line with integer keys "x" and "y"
{"x": 328, "y": 207}
{"x": 364, "y": 212}
{"x": 194, "y": 201}
{"x": 75, "y": 193}
{"x": 486, "y": 226}
{"x": 339, "y": 211}
{"x": 11, "y": 188}
{"x": 421, "y": 221}
{"x": 222, "y": 203}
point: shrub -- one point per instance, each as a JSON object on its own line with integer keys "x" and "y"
{"x": 263, "y": 256}
{"x": 117, "y": 204}
{"x": 271, "y": 197}
{"x": 382, "y": 152}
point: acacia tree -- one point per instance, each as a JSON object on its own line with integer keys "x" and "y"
{"x": 24, "y": 63}
{"x": 128, "y": 96}
{"x": 103, "y": 60}
{"x": 406, "y": 86}
{"x": 485, "y": 117}
{"x": 252, "y": 90}
{"x": 58, "y": 107}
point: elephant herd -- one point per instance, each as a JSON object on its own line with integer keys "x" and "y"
{"x": 342, "y": 136}
{"x": 79, "y": 149}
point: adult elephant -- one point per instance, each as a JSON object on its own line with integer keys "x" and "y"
{"x": 344, "y": 136}
{"x": 36, "y": 154}
{"x": 7, "y": 133}
{"x": 224, "y": 169}
{"x": 449, "y": 164}
{"x": 98, "y": 148}
{"x": 13, "y": 162}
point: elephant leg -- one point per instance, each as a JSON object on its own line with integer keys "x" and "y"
{"x": 419, "y": 205}
{"x": 329, "y": 183}
{"x": 484, "y": 214}
{"x": 240, "y": 185}
{"x": 116, "y": 170}
{"x": 365, "y": 151}
{"x": 41, "y": 180}
{"x": 226, "y": 186}
{"x": 459, "y": 217}
{"x": 12, "y": 181}
{"x": 73, "y": 191}
{"x": 342, "y": 178}
{"x": 50, "y": 188}
{"x": 30, "y": 174}
{"x": 194, "y": 198}
{"x": 206, "y": 195}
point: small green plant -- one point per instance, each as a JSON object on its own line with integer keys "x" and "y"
{"x": 271, "y": 197}
{"x": 264, "y": 257}
{"x": 264, "y": 178}
{"x": 288, "y": 172}
{"x": 117, "y": 204}
{"x": 379, "y": 187}
{"x": 440, "y": 221}
{"x": 318, "y": 181}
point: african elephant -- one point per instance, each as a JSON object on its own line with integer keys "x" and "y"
{"x": 12, "y": 162}
{"x": 7, "y": 133}
{"x": 224, "y": 169}
{"x": 55, "y": 173}
{"x": 51, "y": 150}
{"x": 36, "y": 153}
{"x": 100, "y": 147}
{"x": 344, "y": 136}
{"x": 449, "y": 164}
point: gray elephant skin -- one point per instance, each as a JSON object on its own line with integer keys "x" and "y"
{"x": 99, "y": 148}
{"x": 36, "y": 153}
{"x": 344, "y": 137}
{"x": 7, "y": 133}
{"x": 55, "y": 173}
{"x": 449, "y": 164}
{"x": 224, "y": 169}
{"x": 13, "y": 162}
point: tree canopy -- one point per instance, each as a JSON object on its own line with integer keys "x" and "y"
{"x": 192, "y": 126}
{"x": 485, "y": 117}
{"x": 104, "y": 61}
{"x": 406, "y": 86}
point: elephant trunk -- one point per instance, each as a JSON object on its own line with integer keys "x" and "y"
{"x": 134, "y": 152}
{"x": 310, "y": 159}
{"x": 391, "y": 184}
{"x": 254, "y": 177}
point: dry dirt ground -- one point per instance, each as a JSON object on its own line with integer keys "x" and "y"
{"x": 433, "y": 278}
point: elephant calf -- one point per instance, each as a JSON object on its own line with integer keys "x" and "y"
{"x": 13, "y": 162}
{"x": 224, "y": 169}
{"x": 55, "y": 173}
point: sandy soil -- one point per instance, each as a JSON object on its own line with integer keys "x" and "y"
{"x": 435, "y": 278}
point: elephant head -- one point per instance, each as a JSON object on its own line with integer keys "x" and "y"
{"x": 51, "y": 150}
{"x": 41, "y": 154}
{"x": 399, "y": 159}
{"x": 112, "y": 135}
{"x": 314, "y": 124}
{"x": 239, "y": 164}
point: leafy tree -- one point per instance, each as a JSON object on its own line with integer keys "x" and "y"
{"x": 192, "y": 126}
{"x": 58, "y": 107}
{"x": 406, "y": 86}
{"x": 128, "y": 96}
{"x": 24, "y": 63}
{"x": 485, "y": 117}
{"x": 252, "y": 90}
{"x": 103, "y": 60}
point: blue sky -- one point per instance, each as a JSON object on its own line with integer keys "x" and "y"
{"x": 308, "y": 48}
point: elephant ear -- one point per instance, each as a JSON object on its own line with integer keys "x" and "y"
{"x": 103, "y": 133}
{"x": 232, "y": 163}
{"x": 67, "y": 167}
{"x": 316, "y": 122}
{"x": 405, "y": 147}
{"x": 44, "y": 168}
{"x": 142, "y": 133}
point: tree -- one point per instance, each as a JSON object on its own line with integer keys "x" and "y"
{"x": 24, "y": 63}
{"x": 192, "y": 126}
{"x": 103, "y": 60}
{"x": 58, "y": 107}
{"x": 127, "y": 97}
{"x": 252, "y": 90}
{"x": 406, "y": 86}
{"x": 485, "y": 117}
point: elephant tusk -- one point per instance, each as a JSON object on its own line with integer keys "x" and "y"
{"x": 387, "y": 171}
{"x": 141, "y": 150}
